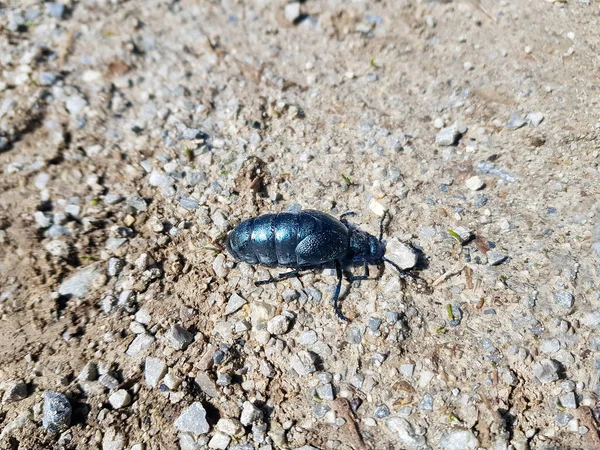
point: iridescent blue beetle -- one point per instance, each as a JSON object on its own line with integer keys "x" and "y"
{"x": 305, "y": 240}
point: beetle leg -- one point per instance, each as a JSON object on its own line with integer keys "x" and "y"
{"x": 386, "y": 213}
{"x": 281, "y": 276}
{"x": 343, "y": 216}
{"x": 336, "y": 308}
{"x": 365, "y": 276}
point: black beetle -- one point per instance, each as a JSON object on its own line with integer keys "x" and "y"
{"x": 305, "y": 240}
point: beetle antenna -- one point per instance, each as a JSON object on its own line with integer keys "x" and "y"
{"x": 386, "y": 213}
{"x": 400, "y": 271}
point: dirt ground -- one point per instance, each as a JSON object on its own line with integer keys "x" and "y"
{"x": 135, "y": 134}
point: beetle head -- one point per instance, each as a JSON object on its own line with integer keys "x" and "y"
{"x": 376, "y": 250}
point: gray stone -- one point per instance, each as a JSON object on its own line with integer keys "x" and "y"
{"x": 160, "y": 179}
{"x": 75, "y": 105}
{"x": 401, "y": 254}
{"x": 406, "y": 433}
{"x": 515, "y": 121}
{"x": 77, "y": 285}
{"x": 179, "y": 337}
{"x": 231, "y": 427}
{"x": 58, "y": 248}
{"x": 46, "y": 79}
{"x": 207, "y": 384}
{"x": 234, "y": 304}
{"x": 303, "y": 362}
{"x": 550, "y": 346}
{"x": 137, "y": 203}
{"x": 427, "y": 403}
{"x": 14, "y": 391}
{"x": 42, "y": 219}
{"x": 448, "y": 136}
{"x": 57, "y": 412}
{"x": 193, "y": 420}
{"x": 115, "y": 265}
{"x": 374, "y": 324}
{"x": 113, "y": 243}
{"x": 108, "y": 381}
{"x": 474, "y": 183}
{"x": 219, "y": 441}
{"x": 139, "y": 344}
{"x": 290, "y": 295}
{"x": 250, "y": 414}
{"x": 56, "y": 10}
{"x": 546, "y": 370}
{"x": 325, "y": 392}
{"x": 564, "y": 299}
{"x": 154, "y": 371}
{"x": 224, "y": 379}
{"x": 89, "y": 372}
{"x": 108, "y": 303}
{"x": 464, "y": 234}
{"x": 119, "y": 399}
{"x": 292, "y": 11}
{"x": 495, "y": 258}
{"x": 568, "y": 400}
{"x": 535, "y": 118}
{"x": 307, "y": 338}
{"x": 381, "y": 412}
{"x": 407, "y": 370}
{"x": 278, "y": 325}
{"x": 458, "y": 440}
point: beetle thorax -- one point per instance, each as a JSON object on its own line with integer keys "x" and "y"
{"x": 365, "y": 247}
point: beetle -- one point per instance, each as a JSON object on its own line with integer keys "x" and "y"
{"x": 305, "y": 240}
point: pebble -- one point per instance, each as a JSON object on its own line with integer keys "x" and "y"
{"x": 550, "y": 346}
{"x": 401, "y": 254}
{"x": 438, "y": 123}
{"x": 535, "y": 118}
{"x": 179, "y": 337}
{"x": 292, "y": 11}
{"x": 303, "y": 362}
{"x": 219, "y": 441}
{"x": 154, "y": 370}
{"x": 89, "y": 372}
{"x": 376, "y": 207}
{"x": 458, "y": 440}
{"x": 564, "y": 299}
{"x": 407, "y": 370}
{"x": 307, "y": 338}
{"x": 207, "y": 384}
{"x": 406, "y": 433}
{"x": 14, "y": 391}
{"x": 57, "y": 412}
{"x": 56, "y": 10}
{"x": 78, "y": 284}
{"x": 137, "y": 203}
{"x": 115, "y": 265}
{"x": 495, "y": 258}
{"x": 234, "y": 304}
{"x": 113, "y": 243}
{"x": 474, "y": 183}
{"x": 427, "y": 403}
{"x": 381, "y": 412}
{"x": 231, "y": 427}
{"x": 464, "y": 234}
{"x": 119, "y": 399}
{"x": 515, "y": 121}
{"x": 568, "y": 400}
{"x": 108, "y": 381}
{"x": 113, "y": 440}
{"x": 224, "y": 379}
{"x": 42, "y": 219}
{"x": 325, "y": 392}
{"x": 250, "y": 414}
{"x": 290, "y": 295}
{"x": 139, "y": 344}
{"x": 75, "y": 105}
{"x": 448, "y": 136}
{"x": 374, "y": 324}
{"x": 193, "y": 420}
{"x": 546, "y": 370}
{"x": 58, "y": 248}
{"x": 278, "y": 325}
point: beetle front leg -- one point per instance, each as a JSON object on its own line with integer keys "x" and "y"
{"x": 365, "y": 276}
{"x": 281, "y": 276}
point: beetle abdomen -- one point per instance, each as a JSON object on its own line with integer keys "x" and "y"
{"x": 272, "y": 239}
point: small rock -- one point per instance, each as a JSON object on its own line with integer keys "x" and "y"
{"x": 405, "y": 432}
{"x": 495, "y": 258}
{"x": 75, "y": 105}
{"x": 535, "y": 118}
{"x": 219, "y": 266}
{"x": 307, "y": 338}
{"x": 474, "y": 183}
{"x": 113, "y": 440}
{"x": 546, "y": 370}
{"x": 374, "y": 324}
{"x": 250, "y": 414}
{"x": 193, "y": 420}
{"x": 46, "y": 79}
{"x": 137, "y": 203}
{"x": 224, "y": 379}
{"x": 376, "y": 207}
{"x": 219, "y": 441}
{"x": 179, "y": 337}
{"x": 154, "y": 370}
{"x": 234, "y": 304}
{"x": 464, "y": 234}
{"x": 401, "y": 254}
{"x": 113, "y": 243}
{"x": 550, "y": 346}
{"x": 325, "y": 392}
{"x": 303, "y": 362}
{"x": 292, "y": 11}
{"x": 515, "y": 121}
{"x": 14, "y": 391}
{"x": 57, "y": 248}
{"x": 119, "y": 399}
{"x": 407, "y": 370}
{"x": 438, "y": 123}
{"x": 427, "y": 403}
{"x": 564, "y": 299}
{"x": 458, "y": 440}
{"x": 56, "y": 10}
{"x": 78, "y": 284}
{"x": 89, "y": 372}
{"x": 57, "y": 411}
{"x": 290, "y": 295}
{"x": 140, "y": 343}
{"x": 568, "y": 400}
{"x": 108, "y": 381}
{"x": 207, "y": 384}
{"x": 448, "y": 136}
{"x": 278, "y": 325}
{"x": 381, "y": 412}
{"x": 42, "y": 219}
{"x": 115, "y": 265}
{"x": 231, "y": 427}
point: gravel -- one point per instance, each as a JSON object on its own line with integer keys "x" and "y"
{"x": 278, "y": 325}
{"x": 57, "y": 412}
{"x": 141, "y": 343}
{"x": 193, "y": 419}
{"x": 402, "y": 254}
{"x": 179, "y": 337}
{"x": 251, "y": 414}
{"x": 79, "y": 284}
{"x": 14, "y": 391}
{"x": 546, "y": 370}
{"x": 154, "y": 371}
{"x": 119, "y": 399}
{"x": 234, "y": 304}
{"x": 458, "y": 440}
{"x": 404, "y": 430}
{"x": 564, "y": 299}
{"x": 474, "y": 183}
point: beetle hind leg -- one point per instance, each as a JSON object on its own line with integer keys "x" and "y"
{"x": 365, "y": 276}
{"x": 280, "y": 277}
